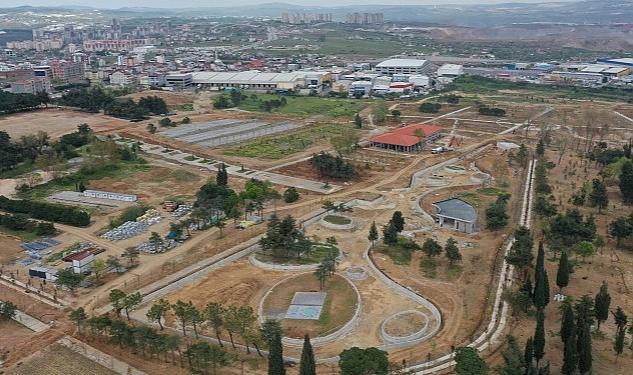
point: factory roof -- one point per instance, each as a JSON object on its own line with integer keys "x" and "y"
{"x": 402, "y": 63}
{"x": 406, "y": 136}
{"x": 251, "y": 77}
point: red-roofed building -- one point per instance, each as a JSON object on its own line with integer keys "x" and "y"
{"x": 410, "y": 138}
{"x": 82, "y": 260}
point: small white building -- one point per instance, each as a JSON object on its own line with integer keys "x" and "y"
{"x": 81, "y": 261}
{"x": 110, "y": 195}
{"x": 120, "y": 79}
{"x": 450, "y": 70}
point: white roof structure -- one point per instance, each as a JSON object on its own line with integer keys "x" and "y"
{"x": 402, "y": 63}
{"x": 450, "y": 70}
{"x": 624, "y": 61}
{"x": 252, "y": 77}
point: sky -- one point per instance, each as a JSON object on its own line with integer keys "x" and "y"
{"x": 210, "y": 3}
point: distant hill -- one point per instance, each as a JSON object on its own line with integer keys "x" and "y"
{"x": 581, "y": 12}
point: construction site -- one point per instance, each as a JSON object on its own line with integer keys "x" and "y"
{"x": 416, "y": 309}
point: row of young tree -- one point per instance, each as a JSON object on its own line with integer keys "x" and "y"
{"x": 23, "y": 223}
{"x": 13, "y": 103}
{"x": 46, "y": 211}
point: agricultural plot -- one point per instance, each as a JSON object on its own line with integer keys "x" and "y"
{"x": 222, "y": 132}
{"x": 59, "y": 360}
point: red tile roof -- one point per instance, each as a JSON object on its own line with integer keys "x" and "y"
{"x": 78, "y": 256}
{"x": 406, "y": 136}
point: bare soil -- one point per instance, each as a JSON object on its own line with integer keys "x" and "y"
{"x": 57, "y": 122}
{"x": 10, "y": 249}
{"x": 404, "y": 325}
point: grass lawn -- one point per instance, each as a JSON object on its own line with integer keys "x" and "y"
{"x": 318, "y": 252}
{"x": 338, "y": 220}
{"x": 401, "y": 252}
{"x": 120, "y": 170}
{"x": 307, "y": 105}
{"x": 279, "y": 146}
{"x": 22, "y": 234}
{"x": 338, "y": 309}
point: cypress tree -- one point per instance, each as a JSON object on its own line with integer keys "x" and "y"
{"x": 562, "y": 274}
{"x": 528, "y": 353}
{"x": 539, "y": 336}
{"x": 373, "y": 233}
{"x": 222, "y": 177}
{"x": 626, "y": 182}
{"x": 601, "y": 304}
{"x": 541, "y": 283}
{"x": 308, "y": 365}
{"x": 567, "y": 326}
{"x": 621, "y": 320}
{"x": 584, "y": 348}
{"x": 570, "y": 354}
{"x": 275, "y": 356}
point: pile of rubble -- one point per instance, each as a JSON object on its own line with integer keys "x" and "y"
{"x": 153, "y": 248}
{"x": 182, "y": 210}
{"x": 131, "y": 229}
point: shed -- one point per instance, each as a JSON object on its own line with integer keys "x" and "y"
{"x": 457, "y": 214}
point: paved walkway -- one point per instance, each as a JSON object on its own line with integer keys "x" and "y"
{"x": 30, "y": 322}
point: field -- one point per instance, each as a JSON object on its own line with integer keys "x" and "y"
{"x": 281, "y": 146}
{"x": 9, "y": 248}
{"x": 307, "y": 106}
{"x": 56, "y": 122}
{"x": 339, "y": 307}
{"x": 59, "y": 360}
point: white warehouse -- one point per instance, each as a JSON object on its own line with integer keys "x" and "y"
{"x": 403, "y": 66}
{"x": 109, "y": 195}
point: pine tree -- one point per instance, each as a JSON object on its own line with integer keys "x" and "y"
{"x": 598, "y": 196}
{"x": 570, "y": 354}
{"x": 527, "y": 287}
{"x": 562, "y": 274}
{"x": 308, "y": 365}
{"x": 452, "y": 251}
{"x": 626, "y": 182}
{"x": 373, "y": 233}
{"x": 567, "y": 326}
{"x": 514, "y": 363}
{"x": 390, "y": 234}
{"x": 398, "y": 221}
{"x": 540, "y": 148}
{"x": 539, "y": 336}
{"x": 602, "y": 303}
{"x": 222, "y": 177}
{"x": 541, "y": 285}
{"x": 275, "y": 355}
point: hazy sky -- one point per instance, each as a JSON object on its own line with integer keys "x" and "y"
{"x": 199, "y": 3}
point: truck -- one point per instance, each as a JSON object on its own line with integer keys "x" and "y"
{"x": 441, "y": 149}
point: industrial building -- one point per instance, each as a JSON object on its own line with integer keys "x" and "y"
{"x": 456, "y": 214}
{"x": 403, "y": 66}
{"x": 450, "y": 70}
{"x": 411, "y": 138}
{"x": 254, "y": 80}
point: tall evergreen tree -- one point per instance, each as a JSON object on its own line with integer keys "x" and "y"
{"x": 541, "y": 285}
{"x": 540, "y": 148}
{"x": 562, "y": 274}
{"x": 598, "y": 196}
{"x": 585, "y": 358}
{"x": 539, "y": 336}
{"x": 398, "y": 221}
{"x": 451, "y": 251}
{"x": 528, "y": 352}
{"x": 275, "y": 355}
{"x": 390, "y": 234}
{"x": 626, "y": 182}
{"x": 308, "y": 365}
{"x": 373, "y": 233}
{"x": 570, "y": 354}
{"x": 602, "y": 303}
{"x": 568, "y": 323}
{"x": 621, "y": 320}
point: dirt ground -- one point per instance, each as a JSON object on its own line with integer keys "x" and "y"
{"x": 608, "y": 264}
{"x": 59, "y": 360}
{"x": 338, "y": 309}
{"x": 10, "y": 249}
{"x": 57, "y": 122}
